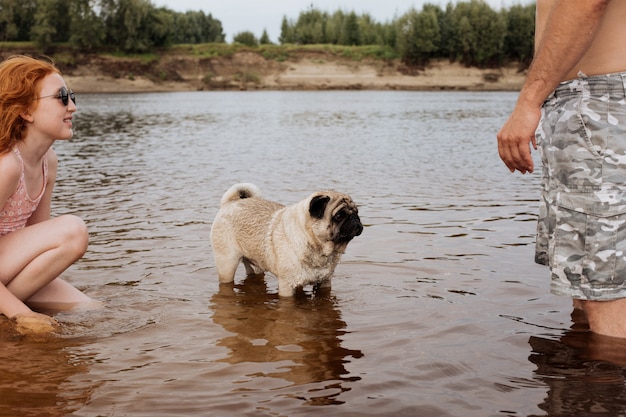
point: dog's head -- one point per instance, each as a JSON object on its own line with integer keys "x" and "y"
{"x": 335, "y": 217}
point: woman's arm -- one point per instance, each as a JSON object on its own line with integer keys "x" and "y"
{"x": 10, "y": 171}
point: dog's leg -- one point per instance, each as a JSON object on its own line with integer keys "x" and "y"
{"x": 285, "y": 289}
{"x": 322, "y": 289}
{"x": 227, "y": 266}
{"x": 249, "y": 268}
{"x": 325, "y": 285}
{"x": 252, "y": 269}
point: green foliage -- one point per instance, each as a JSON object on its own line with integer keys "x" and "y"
{"x": 196, "y": 27}
{"x": 284, "y": 52}
{"x": 287, "y": 34}
{"x": 44, "y": 31}
{"x": 350, "y": 33}
{"x": 311, "y": 27}
{"x": 418, "y": 36}
{"x": 265, "y": 39}
{"x": 467, "y": 31}
{"x": 127, "y": 25}
{"x": 479, "y": 32}
{"x": 370, "y": 32}
{"x": 246, "y": 38}
{"x": 247, "y": 77}
{"x": 12, "y": 19}
{"x": 87, "y": 30}
{"x": 519, "y": 39}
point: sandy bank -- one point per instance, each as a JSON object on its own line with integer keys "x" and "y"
{"x": 249, "y": 71}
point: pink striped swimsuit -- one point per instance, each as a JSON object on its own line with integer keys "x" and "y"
{"x": 19, "y": 207}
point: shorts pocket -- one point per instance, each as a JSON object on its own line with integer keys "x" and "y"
{"x": 590, "y": 240}
{"x": 568, "y": 149}
{"x": 592, "y": 117}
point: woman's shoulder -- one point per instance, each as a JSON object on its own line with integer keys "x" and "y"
{"x": 10, "y": 165}
{"x": 10, "y": 170}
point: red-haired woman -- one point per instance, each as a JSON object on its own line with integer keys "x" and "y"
{"x": 36, "y": 109}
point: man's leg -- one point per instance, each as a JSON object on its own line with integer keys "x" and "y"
{"x": 607, "y": 318}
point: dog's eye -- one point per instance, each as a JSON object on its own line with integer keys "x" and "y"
{"x": 339, "y": 216}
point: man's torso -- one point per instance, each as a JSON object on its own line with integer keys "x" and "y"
{"x": 607, "y": 53}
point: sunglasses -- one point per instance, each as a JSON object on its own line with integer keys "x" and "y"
{"x": 64, "y": 95}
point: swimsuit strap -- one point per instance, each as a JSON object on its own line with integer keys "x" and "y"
{"x": 19, "y": 156}
{"x": 23, "y": 178}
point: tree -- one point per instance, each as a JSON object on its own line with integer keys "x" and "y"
{"x": 520, "y": 35}
{"x": 185, "y": 30}
{"x": 287, "y": 33}
{"x": 350, "y": 34}
{"x": 468, "y": 31}
{"x": 160, "y": 27}
{"x": 334, "y": 27}
{"x": 44, "y": 31}
{"x": 212, "y": 30}
{"x": 418, "y": 36}
{"x": 87, "y": 30}
{"x": 265, "y": 39}
{"x": 311, "y": 27}
{"x": 370, "y": 32}
{"x": 8, "y": 27}
{"x": 196, "y": 27}
{"x": 479, "y": 33}
{"x": 127, "y": 23}
{"x": 246, "y": 38}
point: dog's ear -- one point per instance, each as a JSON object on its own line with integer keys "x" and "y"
{"x": 317, "y": 207}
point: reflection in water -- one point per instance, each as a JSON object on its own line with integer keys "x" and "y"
{"x": 301, "y": 332}
{"x": 36, "y": 376}
{"x": 585, "y": 373}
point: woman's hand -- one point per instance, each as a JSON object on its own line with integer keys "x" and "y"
{"x": 35, "y": 324}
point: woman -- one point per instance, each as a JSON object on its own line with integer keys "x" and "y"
{"x": 36, "y": 109}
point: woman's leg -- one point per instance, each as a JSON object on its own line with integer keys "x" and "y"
{"x": 32, "y": 258}
{"x": 60, "y": 295}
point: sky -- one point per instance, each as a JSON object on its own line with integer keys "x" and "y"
{"x": 255, "y": 16}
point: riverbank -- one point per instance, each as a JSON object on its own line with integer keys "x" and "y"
{"x": 248, "y": 70}
{"x": 268, "y": 67}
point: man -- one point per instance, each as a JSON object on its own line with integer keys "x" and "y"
{"x": 573, "y": 104}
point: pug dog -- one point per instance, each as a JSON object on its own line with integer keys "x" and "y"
{"x": 300, "y": 244}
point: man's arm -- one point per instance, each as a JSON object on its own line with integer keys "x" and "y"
{"x": 569, "y": 31}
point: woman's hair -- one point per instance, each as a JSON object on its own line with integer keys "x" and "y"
{"x": 19, "y": 86}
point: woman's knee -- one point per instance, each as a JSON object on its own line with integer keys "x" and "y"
{"x": 75, "y": 234}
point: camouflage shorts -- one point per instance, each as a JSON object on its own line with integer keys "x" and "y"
{"x": 581, "y": 233}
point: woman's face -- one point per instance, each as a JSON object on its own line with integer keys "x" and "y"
{"x": 49, "y": 118}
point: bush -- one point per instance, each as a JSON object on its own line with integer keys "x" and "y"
{"x": 246, "y": 38}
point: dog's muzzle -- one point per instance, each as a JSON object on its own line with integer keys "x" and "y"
{"x": 350, "y": 228}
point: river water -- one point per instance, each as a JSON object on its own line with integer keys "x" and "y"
{"x": 437, "y": 309}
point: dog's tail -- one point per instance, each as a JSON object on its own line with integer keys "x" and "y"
{"x": 239, "y": 192}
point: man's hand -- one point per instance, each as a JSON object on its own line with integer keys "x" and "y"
{"x": 515, "y": 137}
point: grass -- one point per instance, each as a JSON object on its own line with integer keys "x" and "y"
{"x": 282, "y": 53}
{"x": 67, "y": 54}
{"x": 149, "y": 63}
